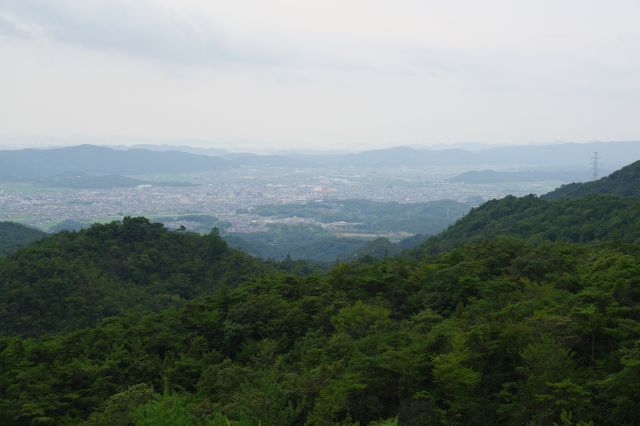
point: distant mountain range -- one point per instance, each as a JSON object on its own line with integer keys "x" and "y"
{"x": 570, "y": 155}
{"x": 574, "y": 155}
{"x": 614, "y": 154}
{"x": 154, "y": 159}
{"x": 41, "y": 163}
{"x": 189, "y": 149}
{"x": 244, "y": 159}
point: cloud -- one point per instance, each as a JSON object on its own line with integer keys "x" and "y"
{"x": 9, "y": 27}
{"x": 315, "y": 70}
{"x": 497, "y": 44}
{"x": 143, "y": 29}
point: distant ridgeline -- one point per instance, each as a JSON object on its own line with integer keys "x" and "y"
{"x": 497, "y": 325}
{"x": 95, "y": 160}
{"x": 94, "y": 167}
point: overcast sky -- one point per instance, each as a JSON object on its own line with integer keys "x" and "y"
{"x": 322, "y": 74}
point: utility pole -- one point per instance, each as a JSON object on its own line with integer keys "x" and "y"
{"x": 595, "y": 166}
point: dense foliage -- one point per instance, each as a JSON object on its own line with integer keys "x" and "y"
{"x": 298, "y": 241}
{"x": 508, "y": 317}
{"x": 201, "y": 223}
{"x": 501, "y": 332}
{"x": 72, "y": 279}
{"x": 588, "y": 219}
{"x": 624, "y": 183}
{"x": 13, "y": 236}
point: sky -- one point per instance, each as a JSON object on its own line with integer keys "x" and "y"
{"x": 330, "y": 74}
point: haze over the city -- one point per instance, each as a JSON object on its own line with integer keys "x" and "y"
{"x": 331, "y": 75}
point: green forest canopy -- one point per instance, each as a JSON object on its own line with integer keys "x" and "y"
{"x": 72, "y": 279}
{"x": 581, "y": 220}
{"x": 624, "y": 183}
{"x": 13, "y": 236}
{"x": 481, "y": 328}
{"x": 502, "y": 332}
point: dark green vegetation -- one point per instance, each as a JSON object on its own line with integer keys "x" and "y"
{"x": 72, "y": 279}
{"x": 624, "y": 183}
{"x": 13, "y": 236}
{"x": 381, "y": 248}
{"x": 200, "y": 223}
{"x": 582, "y": 220}
{"x": 298, "y": 241}
{"x": 538, "y": 327}
{"x": 604, "y": 210}
{"x": 69, "y": 225}
{"x": 502, "y": 332}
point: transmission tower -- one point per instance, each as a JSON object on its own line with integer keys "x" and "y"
{"x": 595, "y": 166}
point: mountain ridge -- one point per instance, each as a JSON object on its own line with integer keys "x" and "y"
{"x": 92, "y": 159}
{"x": 624, "y": 182}
{"x": 604, "y": 210}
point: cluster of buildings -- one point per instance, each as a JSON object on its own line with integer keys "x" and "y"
{"x": 229, "y": 195}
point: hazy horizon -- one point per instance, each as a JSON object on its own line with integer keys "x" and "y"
{"x": 258, "y": 147}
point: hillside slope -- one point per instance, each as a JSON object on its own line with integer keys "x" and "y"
{"x": 490, "y": 329}
{"x": 624, "y": 183}
{"x": 13, "y": 236}
{"x": 604, "y": 210}
{"x": 582, "y": 220}
{"x": 71, "y": 280}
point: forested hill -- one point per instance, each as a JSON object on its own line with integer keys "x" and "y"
{"x": 534, "y": 327}
{"x": 70, "y": 280}
{"x": 581, "y": 220}
{"x": 13, "y": 236}
{"x": 501, "y": 332}
{"x": 624, "y": 183}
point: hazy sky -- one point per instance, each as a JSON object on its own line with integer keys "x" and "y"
{"x": 333, "y": 74}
